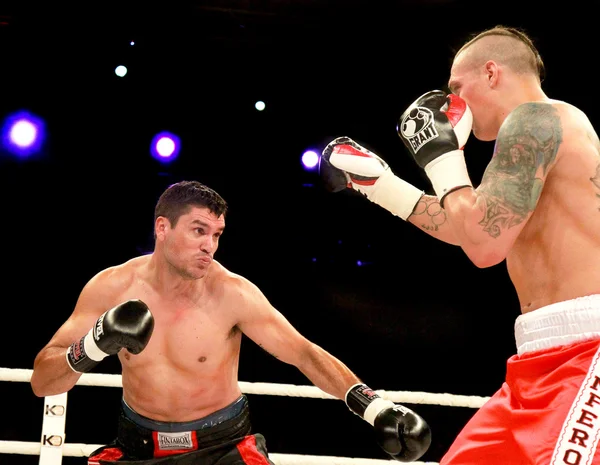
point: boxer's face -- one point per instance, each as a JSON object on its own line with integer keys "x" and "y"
{"x": 190, "y": 245}
{"x": 471, "y": 83}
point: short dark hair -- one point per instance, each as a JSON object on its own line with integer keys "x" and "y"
{"x": 535, "y": 62}
{"x": 180, "y": 197}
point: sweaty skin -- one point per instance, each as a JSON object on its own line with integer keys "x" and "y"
{"x": 189, "y": 368}
{"x": 556, "y": 255}
{"x": 538, "y": 204}
{"x": 191, "y": 361}
{"x": 547, "y": 158}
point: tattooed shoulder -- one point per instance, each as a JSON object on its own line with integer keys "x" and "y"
{"x": 527, "y": 144}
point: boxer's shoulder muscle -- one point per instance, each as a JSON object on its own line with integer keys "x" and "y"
{"x": 112, "y": 284}
{"x": 237, "y": 291}
{"x": 576, "y": 126}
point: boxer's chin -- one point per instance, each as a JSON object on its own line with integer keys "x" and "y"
{"x": 484, "y": 136}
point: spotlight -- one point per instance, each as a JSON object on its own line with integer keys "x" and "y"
{"x": 23, "y": 134}
{"x": 310, "y": 160}
{"x": 165, "y": 147}
{"x": 121, "y": 70}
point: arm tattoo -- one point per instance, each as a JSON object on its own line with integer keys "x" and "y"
{"x": 431, "y": 212}
{"x": 596, "y": 178}
{"x": 528, "y": 140}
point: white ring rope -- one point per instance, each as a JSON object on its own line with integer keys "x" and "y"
{"x": 109, "y": 380}
{"x": 401, "y": 397}
{"x": 83, "y": 450}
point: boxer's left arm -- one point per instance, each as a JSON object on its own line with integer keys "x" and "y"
{"x": 486, "y": 220}
{"x": 271, "y": 330}
{"x": 400, "y": 432}
{"x": 345, "y": 164}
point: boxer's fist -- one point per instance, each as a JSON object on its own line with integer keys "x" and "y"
{"x": 434, "y": 129}
{"x": 400, "y": 432}
{"x": 346, "y": 164}
{"x": 434, "y": 125}
{"x": 128, "y": 325}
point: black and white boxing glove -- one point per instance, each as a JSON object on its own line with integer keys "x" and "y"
{"x": 346, "y": 164}
{"x": 435, "y": 128}
{"x": 400, "y": 432}
{"x": 129, "y": 325}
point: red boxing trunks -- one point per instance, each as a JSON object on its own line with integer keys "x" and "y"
{"x": 548, "y": 409}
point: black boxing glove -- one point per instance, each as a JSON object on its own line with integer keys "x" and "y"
{"x": 346, "y": 164}
{"x": 128, "y": 325}
{"x": 434, "y": 129}
{"x": 399, "y": 431}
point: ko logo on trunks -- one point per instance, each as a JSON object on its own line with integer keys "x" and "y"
{"x": 418, "y": 127}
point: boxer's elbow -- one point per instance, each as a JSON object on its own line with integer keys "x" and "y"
{"x": 39, "y": 388}
{"x": 483, "y": 248}
{"x": 38, "y": 392}
{"x": 50, "y": 375}
{"x": 37, "y": 381}
{"x": 41, "y": 384}
{"x": 46, "y": 387}
{"x": 484, "y": 257}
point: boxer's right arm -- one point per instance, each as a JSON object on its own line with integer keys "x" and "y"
{"x": 346, "y": 164}
{"x": 128, "y": 325}
{"x": 53, "y": 373}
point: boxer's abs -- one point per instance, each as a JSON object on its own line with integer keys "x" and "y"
{"x": 556, "y": 258}
{"x": 181, "y": 377}
{"x": 189, "y": 369}
{"x": 557, "y": 254}
{"x": 165, "y": 393}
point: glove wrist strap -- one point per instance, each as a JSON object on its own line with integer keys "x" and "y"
{"x": 375, "y": 408}
{"x": 395, "y": 195}
{"x": 365, "y": 402}
{"x": 448, "y": 173}
{"x": 84, "y": 354}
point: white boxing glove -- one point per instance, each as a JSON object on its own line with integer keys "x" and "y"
{"x": 346, "y": 164}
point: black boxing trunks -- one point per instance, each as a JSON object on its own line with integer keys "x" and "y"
{"x": 221, "y": 438}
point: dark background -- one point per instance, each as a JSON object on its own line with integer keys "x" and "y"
{"x": 418, "y": 316}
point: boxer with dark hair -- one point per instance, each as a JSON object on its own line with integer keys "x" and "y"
{"x": 175, "y": 319}
{"x": 538, "y": 208}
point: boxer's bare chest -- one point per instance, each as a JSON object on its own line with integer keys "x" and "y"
{"x": 194, "y": 334}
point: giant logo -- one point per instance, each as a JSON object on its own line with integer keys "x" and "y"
{"x": 418, "y": 127}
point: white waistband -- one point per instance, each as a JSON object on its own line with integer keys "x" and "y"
{"x": 558, "y": 324}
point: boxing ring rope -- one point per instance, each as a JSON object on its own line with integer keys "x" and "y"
{"x": 57, "y": 451}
